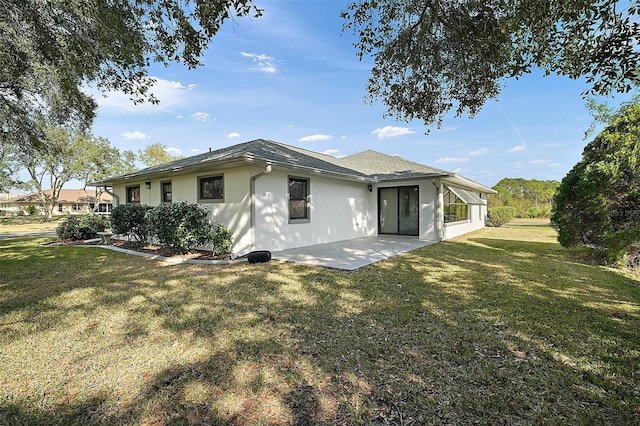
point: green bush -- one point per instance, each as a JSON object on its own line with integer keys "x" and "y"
{"x": 220, "y": 240}
{"x": 31, "y": 209}
{"x": 182, "y": 226}
{"x": 131, "y": 220}
{"x": 538, "y": 212}
{"x": 596, "y": 204}
{"x": 82, "y": 227}
{"x": 498, "y": 216}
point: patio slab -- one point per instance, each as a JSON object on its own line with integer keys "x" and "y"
{"x": 351, "y": 254}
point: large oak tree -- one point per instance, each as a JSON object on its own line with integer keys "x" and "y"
{"x": 431, "y": 56}
{"x": 50, "y": 49}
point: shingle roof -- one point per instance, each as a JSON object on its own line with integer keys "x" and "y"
{"x": 65, "y": 196}
{"x": 368, "y": 166}
{"x": 259, "y": 149}
{"x": 387, "y": 167}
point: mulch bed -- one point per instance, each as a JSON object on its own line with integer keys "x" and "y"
{"x": 149, "y": 249}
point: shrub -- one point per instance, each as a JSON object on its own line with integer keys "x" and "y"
{"x": 498, "y": 216}
{"x": 31, "y": 210}
{"x": 220, "y": 240}
{"x": 538, "y": 212}
{"x": 82, "y": 227}
{"x": 597, "y": 202}
{"x": 182, "y": 226}
{"x": 131, "y": 220}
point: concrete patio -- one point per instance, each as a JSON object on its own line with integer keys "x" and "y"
{"x": 352, "y": 254}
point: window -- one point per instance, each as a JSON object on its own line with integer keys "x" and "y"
{"x": 133, "y": 194}
{"x": 211, "y": 188}
{"x": 60, "y": 208}
{"x": 298, "y": 199}
{"x": 76, "y": 207}
{"x": 454, "y": 208}
{"x": 165, "y": 187}
{"x": 104, "y": 207}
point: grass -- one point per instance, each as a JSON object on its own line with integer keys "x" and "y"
{"x": 15, "y": 224}
{"x": 501, "y": 326}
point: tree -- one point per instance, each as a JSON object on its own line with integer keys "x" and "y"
{"x": 530, "y": 197}
{"x": 156, "y": 154}
{"x": 64, "y": 156}
{"x": 434, "y": 55}
{"x": 598, "y": 201}
{"x": 50, "y": 50}
{"x": 104, "y": 161}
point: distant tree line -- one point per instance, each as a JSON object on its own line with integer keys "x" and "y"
{"x": 531, "y": 198}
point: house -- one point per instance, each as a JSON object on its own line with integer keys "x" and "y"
{"x": 70, "y": 201}
{"x": 274, "y": 196}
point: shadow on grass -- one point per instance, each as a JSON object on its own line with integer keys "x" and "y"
{"x": 483, "y": 330}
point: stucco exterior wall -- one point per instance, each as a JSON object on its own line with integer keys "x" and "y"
{"x": 339, "y": 210}
{"x": 233, "y": 212}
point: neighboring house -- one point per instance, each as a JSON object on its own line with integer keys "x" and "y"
{"x": 70, "y": 201}
{"x": 274, "y": 196}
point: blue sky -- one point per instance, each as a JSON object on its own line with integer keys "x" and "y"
{"x": 293, "y": 76}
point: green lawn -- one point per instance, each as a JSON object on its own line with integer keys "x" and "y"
{"x": 502, "y": 326}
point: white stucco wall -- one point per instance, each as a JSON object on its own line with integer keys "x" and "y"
{"x": 339, "y": 210}
{"x": 233, "y": 212}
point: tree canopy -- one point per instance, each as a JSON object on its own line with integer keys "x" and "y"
{"x": 598, "y": 202}
{"x": 156, "y": 154}
{"x": 49, "y": 50}
{"x": 530, "y": 197}
{"x": 431, "y": 56}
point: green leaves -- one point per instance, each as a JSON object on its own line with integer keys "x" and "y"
{"x": 49, "y": 50}
{"x": 434, "y": 56}
{"x": 598, "y": 202}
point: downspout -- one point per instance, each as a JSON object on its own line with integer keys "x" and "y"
{"x": 115, "y": 197}
{"x": 439, "y": 214}
{"x": 252, "y": 189}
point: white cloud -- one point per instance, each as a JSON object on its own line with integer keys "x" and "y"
{"x": 200, "y": 116}
{"x": 391, "y": 132}
{"x": 343, "y": 137}
{"x": 480, "y": 151}
{"x": 540, "y": 161}
{"x": 459, "y": 170}
{"x": 553, "y": 165}
{"x": 178, "y": 117}
{"x": 452, "y": 160}
{"x": 171, "y": 94}
{"x": 290, "y": 126}
{"x": 233, "y": 135}
{"x": 173, "y": 150}
{"x": 195, "y": 150}
{"x": 264, "y": 62}
{"x": 518, "y": 148}
{"x": 134, "y": 135}
{"x": 333, "y": 152}
{"x": 192, "y": 86}
{"x": 314, "y": 138}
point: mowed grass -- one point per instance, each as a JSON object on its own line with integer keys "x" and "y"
{"x": 501, "y": 326}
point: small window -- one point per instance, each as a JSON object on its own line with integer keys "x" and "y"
{"x": 298, "y": 199}
{"x": 60, "y": 208}
{"x": 133, "y": 194}
{"x": 76, "y": 207}
{"x": 454, "y": 208}
{"x": 211, "y": 188}
{"x": 166, "y": 192}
